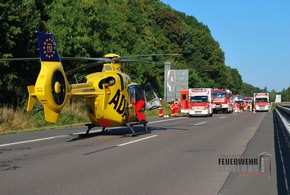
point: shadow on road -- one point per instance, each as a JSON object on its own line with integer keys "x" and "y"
{"x": 120, "y": 131}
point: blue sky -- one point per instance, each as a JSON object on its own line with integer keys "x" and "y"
{"x": 254, "y": 34}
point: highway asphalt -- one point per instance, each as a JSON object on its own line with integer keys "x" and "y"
{"x": 180, "y": 156}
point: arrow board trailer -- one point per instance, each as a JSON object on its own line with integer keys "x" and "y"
{"x": 200, "y": 102}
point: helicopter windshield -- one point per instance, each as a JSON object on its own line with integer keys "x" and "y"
{"x": 152, "y": 100}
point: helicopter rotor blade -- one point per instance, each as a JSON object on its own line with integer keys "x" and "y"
{"x": 142, "y": 61}
{"x": 84, "y": 67}
{"x": 19, "y": 59}
{"x": 104, "y": 59}
{"x": 107, "y": 59}
{"x": 85, "y": 58}
{"x": 148, "y": 55}
{"x": 62, "y": 58}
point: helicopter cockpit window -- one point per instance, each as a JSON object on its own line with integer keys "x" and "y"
{"x": 132, "y": 95}
{"x": 108, "y": 67}
{"x": 109, "y": 80}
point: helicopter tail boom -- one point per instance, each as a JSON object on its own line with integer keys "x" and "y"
{"x": 51, "y": 87}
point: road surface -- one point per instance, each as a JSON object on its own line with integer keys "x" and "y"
{"x": 180, "y": 156}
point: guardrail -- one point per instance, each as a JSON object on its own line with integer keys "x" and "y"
{"x": 284, "y": 114}
{"x": 282, "y": 146}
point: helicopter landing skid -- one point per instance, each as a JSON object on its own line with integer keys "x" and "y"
{"x": 130, "y": 125}
{"x": 90, "y": 126}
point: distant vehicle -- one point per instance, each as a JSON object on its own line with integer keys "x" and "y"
{"x": 278, "y": 99}
{"x": 200, "y": 102}
{"x": 222, "y": 101}
{"x": 261, "y": 101}
{"x": 248, "y": 101}
{"x": 238, "y": 103}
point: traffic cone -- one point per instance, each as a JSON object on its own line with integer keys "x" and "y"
{"x": 160, "y": 112}
{"x": 254, "y": 110}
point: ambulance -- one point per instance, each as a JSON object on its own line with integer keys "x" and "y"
{"x": 261, "y": 101}
{"x": 200, "y": 102}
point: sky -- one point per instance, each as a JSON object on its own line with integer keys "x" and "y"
{"x": 254, "y": 35}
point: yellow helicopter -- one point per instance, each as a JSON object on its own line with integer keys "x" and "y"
{"x": 111, "y": 98}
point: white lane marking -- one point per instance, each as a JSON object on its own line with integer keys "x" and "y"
{"x": 200, "y": 123}
{"x": 28, "y": 141}
{"x": 138, "y": 140}
{"x": 223, "y": 117}
{"x": 47, "y": 138}
{"x": 166, "y": 120}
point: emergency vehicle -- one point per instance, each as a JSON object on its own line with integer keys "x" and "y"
{"x": 184, "y": 100}
{"x": 238, "y": 103}
{"x": 200, "y": 102}
{"x": 261, "y": 101}
{"x": 249, "y": 102}
{"x": 222, "y": 101}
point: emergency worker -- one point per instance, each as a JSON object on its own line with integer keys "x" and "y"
{"x": 176, "y": 106}
{"x": 244, "y": 106}
{"x": 172, "y": 108}
{"x": 250, "y": 107}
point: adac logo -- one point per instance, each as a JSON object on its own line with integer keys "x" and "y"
{"x": 49, "y": 48}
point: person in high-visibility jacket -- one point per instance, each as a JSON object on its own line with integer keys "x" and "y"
{"x": 172, "y": 108}
{"x": 176, "y": 107}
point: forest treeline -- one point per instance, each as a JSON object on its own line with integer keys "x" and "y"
{"x": 93, "y": 28}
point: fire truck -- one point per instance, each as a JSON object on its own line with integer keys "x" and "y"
{"x": 222, "y": 101}
{"x": 196, "y": 101}
{"x": 261, "y": 101}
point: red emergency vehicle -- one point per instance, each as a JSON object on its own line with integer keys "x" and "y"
{"x": 222, "y": 101}
{"x": 184, "y": 100}
{"x": 200, "y": 102}
{"x": 196, "y": 102}
{"x": 261, "y": 101}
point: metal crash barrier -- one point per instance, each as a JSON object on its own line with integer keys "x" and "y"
{"x": 284, "y": 114}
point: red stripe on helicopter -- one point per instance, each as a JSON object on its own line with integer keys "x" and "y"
{"x": 105, "y": 123}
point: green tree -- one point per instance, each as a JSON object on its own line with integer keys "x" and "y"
{"x": 272, "y": 95}
{"x": 92, "y": 28}
{"x": 19, "y": 21}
